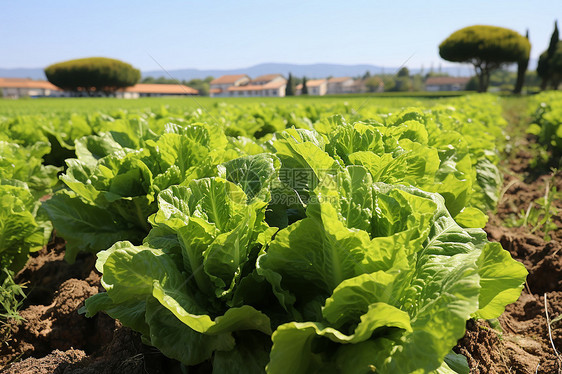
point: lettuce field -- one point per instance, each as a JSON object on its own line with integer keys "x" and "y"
{"x": 297, "y": 235}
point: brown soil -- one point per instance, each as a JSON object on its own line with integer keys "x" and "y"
{"x": 521, "y": 343}
{"x": 54, "y": 338}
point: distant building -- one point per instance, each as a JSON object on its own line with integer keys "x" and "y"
{"x": 269, "y": 85}
{"x": 446, "y": 83}
{"x": 315, "y": 87}
{"x": 340, "y": 85}
{"x": 219, "y": 87}
{"x": 155, "y": 90}
{"x": 268, "y": 78}
{"x": 271, "y": 89}
{"x": 15, "y": 88}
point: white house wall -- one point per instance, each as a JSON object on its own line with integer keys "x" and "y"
{"x": 17, "y": 92}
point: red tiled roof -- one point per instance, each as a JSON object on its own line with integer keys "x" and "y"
{"x": 171, "y": 89}
{"x": 140, "y": 88}
{"x": 215, "y": 90}
{"x": 229, "y": 79}
{"x": 312, "y": 83}
{"x": 437, "y": 81}
{"x": 26, "y": 83}
{"x": 338, "y": 79}
{"x": 274, "y": 85}
{"x": 266, "y": 77}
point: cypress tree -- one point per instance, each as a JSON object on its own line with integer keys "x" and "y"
{"x": 304, "y": 90}
{"x": 553, "y": 40}
{"x": 522, "y": 66}
{"x": 551, "y": 51}
{"x": 289, "y": 91}
{"x": 543, "y": 68}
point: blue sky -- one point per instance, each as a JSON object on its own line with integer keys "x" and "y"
{"x": 231, "y": 34}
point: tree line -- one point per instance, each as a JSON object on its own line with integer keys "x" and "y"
{"x": 490, "y": 49}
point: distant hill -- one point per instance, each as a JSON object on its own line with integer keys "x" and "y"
{"x": 309, "y": 70}
{"x": 299, "y": 70}
{"x": 33, "y": 73}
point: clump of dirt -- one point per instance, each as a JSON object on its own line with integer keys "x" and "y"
{"x": 525, "y": 325}
{"x": 522, "y": 342}
{"x": 542, "y": 259}
{"x": 50, "y": 319}
{"x": 481, "y": 346}
{"x": 54, "y": 362}
{"x": 119, "y": 356}
{"x": 53, "y": 337}
{"x": 46, "y": 270}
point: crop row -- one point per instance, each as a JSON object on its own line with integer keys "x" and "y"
{"x": 546, "y": 114}
{"x": 277, "y": 239}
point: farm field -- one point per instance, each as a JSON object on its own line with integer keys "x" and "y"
{"x": 356, "y": 235}
{"x": 83, "y": 106}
